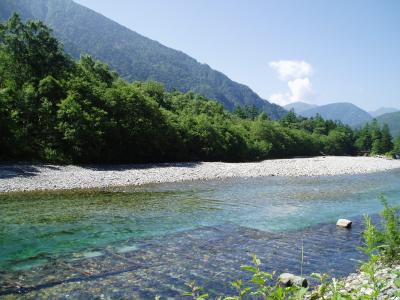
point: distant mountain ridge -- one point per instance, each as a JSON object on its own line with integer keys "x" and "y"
{"x": 392, "y": 120}
{"x": 132, "y": 55}
{"x": 299, "y": 107}
{"x": 381, "y": 111}
{"x": 345, "y": 112}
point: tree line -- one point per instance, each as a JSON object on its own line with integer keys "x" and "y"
{"x": 55, "y": 109}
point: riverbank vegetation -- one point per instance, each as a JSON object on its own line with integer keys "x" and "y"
{"x": 54, "y": 109}
{"x": 379, "y": 277}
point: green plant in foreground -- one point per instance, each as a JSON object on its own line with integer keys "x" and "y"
{"x": 302, "y": 258}
{"x": 195, "y": 292}
{"x": 258, "y": 287}
{"x": 389, "y": 237}
{"x": 371, "y": 249}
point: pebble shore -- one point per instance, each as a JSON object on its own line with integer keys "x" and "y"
{"x": 24, "y": 177}
{"x": 388, "y": 279}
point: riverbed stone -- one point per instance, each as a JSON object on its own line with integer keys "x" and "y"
{"x": 288, "y": 279}
{"x": 344, "y": 223}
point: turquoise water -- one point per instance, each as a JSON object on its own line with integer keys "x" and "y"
{"x": 39, "y": 230}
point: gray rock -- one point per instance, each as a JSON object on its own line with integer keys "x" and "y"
{"x": 288, "y": 279}
{"x": 344, "y": 223}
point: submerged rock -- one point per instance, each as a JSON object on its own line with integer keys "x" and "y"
{"x": 344, "y": 223}
{"x": 288, "y": 279}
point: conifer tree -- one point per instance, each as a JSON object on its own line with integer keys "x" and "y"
{"x": 386, "y": 140}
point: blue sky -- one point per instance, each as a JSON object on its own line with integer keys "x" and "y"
{"x": 311, "y": 50}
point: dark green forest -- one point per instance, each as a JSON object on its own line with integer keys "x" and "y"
{"x": 55, "y": 109}
{"x": 133, "y": 56}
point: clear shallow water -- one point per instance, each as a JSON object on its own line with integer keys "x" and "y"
{"x": 183, "y": 230}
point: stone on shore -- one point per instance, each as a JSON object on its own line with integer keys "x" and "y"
{"x": 288, "y": 279}
{"x": 344, "y": 223}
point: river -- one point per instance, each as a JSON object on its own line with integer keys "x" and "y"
{"x": 138, "y": 242}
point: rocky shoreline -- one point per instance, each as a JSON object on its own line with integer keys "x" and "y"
{"x": 24, "y": 177}
{"x": 388, "y": 279}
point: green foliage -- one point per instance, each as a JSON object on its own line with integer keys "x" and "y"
{"x": 134, "y": 56}
{"x": 370, "y": 245}
{"x": 386, "y": 139}
{"x": 389, "y": 236}
{"x": 383, "y": 242}
{"x": 195, "y": 292}
{"x": 364, "y": 140}
{"x": 31, "y": 51}
{"x": 258, "y": 287}
{"x": 54, "y": 109}
{"x": 372, "y": 139}
{"x": 264, "y": 285}
{"x": 396, "y": 148}
{"x": 247, "y": 112}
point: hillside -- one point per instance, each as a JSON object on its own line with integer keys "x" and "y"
{"x": 54, "y": 109}
{"x": 132, "y": 55}
{"x": 381, "y": 111}
{"x": 345, "y": 112}
{"x": 299, "y": 107}
{"x": 393, "y": 121}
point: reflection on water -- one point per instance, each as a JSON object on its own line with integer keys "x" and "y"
{"x": 153, "y": 239}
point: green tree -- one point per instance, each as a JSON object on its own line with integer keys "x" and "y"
{"x": 31, "y": 50}
{"x": 376, "y": 137}
{"x": 55, "y": 109}
{"x": 396, "y": 147}
{"x": 247, "y": 112}
{"x": 386, "y": 140}
{"x": 364, "y": 139}
{"x": 291, "y": 119}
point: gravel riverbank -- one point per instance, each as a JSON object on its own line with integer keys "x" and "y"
{"x": 387, "y": 278}
{"x": 49, "y": 177}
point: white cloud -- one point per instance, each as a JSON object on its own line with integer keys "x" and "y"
{"x": 281, "y": 99}
{"x": 300, "y": 90}
{"x": 291, "y": 69}
{"x": 296, "y": 74}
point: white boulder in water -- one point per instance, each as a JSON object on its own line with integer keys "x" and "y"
{"x": 344, "y": 223}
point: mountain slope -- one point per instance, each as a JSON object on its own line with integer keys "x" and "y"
{"x": 132, "y": 55}
{"x": 393, "y": 121}
{"x": 299, "y": 107}
{"x": 345, "y": 112}
{"x": 381, "y": 111}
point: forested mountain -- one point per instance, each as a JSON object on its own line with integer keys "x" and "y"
{"x": 132, "y": 55}
{"x": 392, "y": 120}
{"x": 381, "y": 111}
{"x": 299, "y": 107}
{"x": 345, "y": 112}
{"x": 55, "y": 109}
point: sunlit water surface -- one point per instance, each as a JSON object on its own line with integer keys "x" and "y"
{"x": 140, "y": 242}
